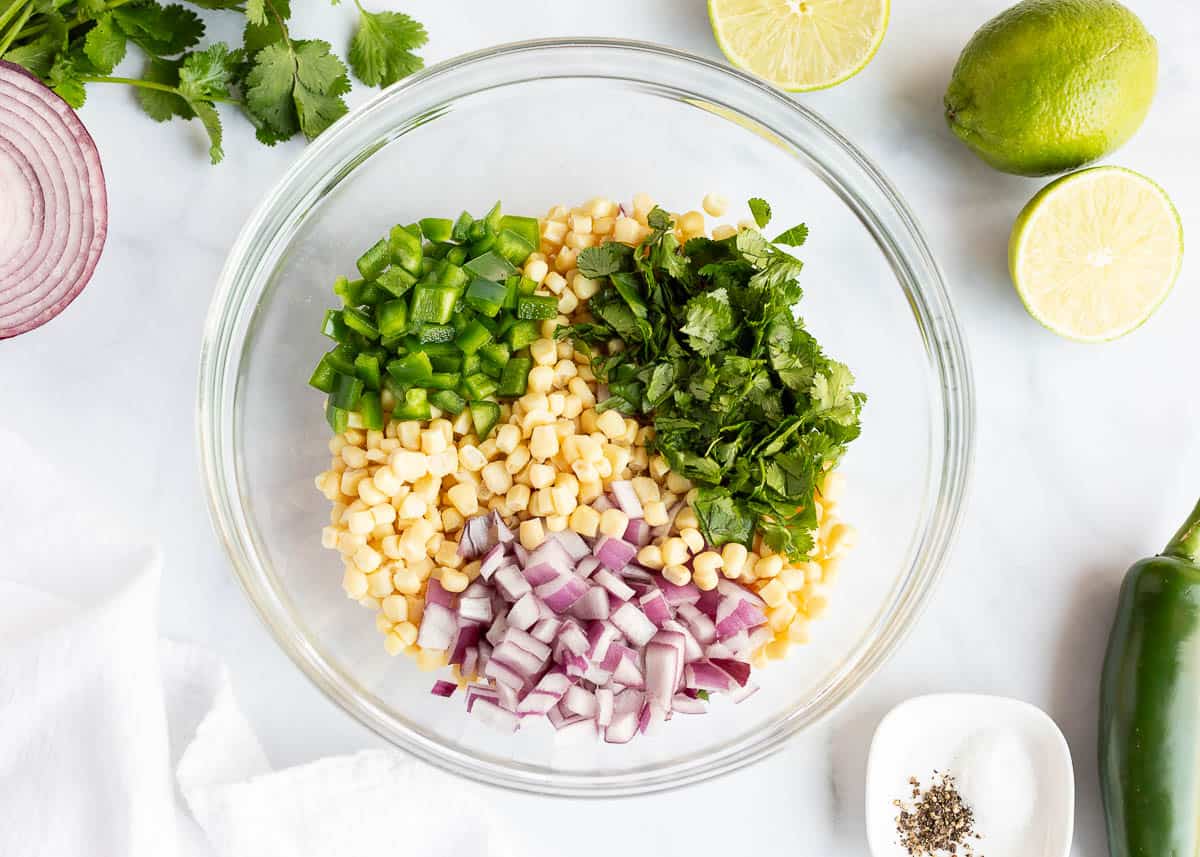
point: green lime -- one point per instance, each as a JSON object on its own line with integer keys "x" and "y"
{"x": 1095, "y": 253}
{"x": 799, "y": 45}
{"x": 1050, "y": 85}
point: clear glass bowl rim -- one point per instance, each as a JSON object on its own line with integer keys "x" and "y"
{"x": 331, "y": 157}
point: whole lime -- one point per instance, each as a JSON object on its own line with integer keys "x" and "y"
{"x": 1050, "y": 85}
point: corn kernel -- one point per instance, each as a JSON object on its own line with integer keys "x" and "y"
{"x": 611, "y": 423}
{"x": 360, "y": 523}
{"x": 568, "y": 302}
{"x": 734, "y": 557}
{"x": 508, "y": 437}
{"x": 370, "y": 495}
{"x": 691, "y": 537}
{"x": 715, "y": 204}
{"x": 452, "y": 521}
{"x": 367, "y": 558}
{"x": 412, "y": 507}
{"x": 720, "y": 233}
{"x": 354, "y": 456}
{"x": 329, "y": 537}
{"x": 531, "y": 533}
{"x": 554, "y": 232}
{"x": 777, "y": 649}
{"x": 542, "y": 503}
{"x": 691, "y": 224}
{"x": 585, "y": 520}
{"x": 627, "y": 230}
{"x": 517, "y": 459}
{"x": 497, "y": 478}
{"x": 464, "y": 498}
{"x": 379, "y": 584}
{"x": 705, "y": 580}
{"x": 541, "y": 475}
{"x": 556, "y": 523}
{"x": 613, "y": 523}
{"x": 395, "y": 608}
{"x": 408, "y": 466}
{"x": 685, "y": 519}
{"x": 792, "y": 578}
{"x": 517, "y": 498}
{"x": 543, "y": 442}
{"x": 454, "y": 581}
{"x": 677, "y": 574}
{"x": 674, "y": 552}
{"x": 432, "y": 441}
{"x": 647, "y": 490}
{"x": 841, "y": 538}
{"x": 354, "y": 582}
{"x": 536, "y": 270}
{"x": 471, "y": 458}
{"x": 650, "y": 556}
{"x": 774, "y": 592}
{"x": 655, "y": 513}
{"x": 768, "y": 566}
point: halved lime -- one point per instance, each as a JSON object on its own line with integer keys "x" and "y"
{"x": 799, "y": 45}
{"x": 1095, "y": 253}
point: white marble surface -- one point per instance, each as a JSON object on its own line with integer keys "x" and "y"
{"x": 1086, "y": 456}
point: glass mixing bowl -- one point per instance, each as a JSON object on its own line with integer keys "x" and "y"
{"x": 535, "y": 124}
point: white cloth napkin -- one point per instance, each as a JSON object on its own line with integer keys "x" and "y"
{"x": 114, "y": 743}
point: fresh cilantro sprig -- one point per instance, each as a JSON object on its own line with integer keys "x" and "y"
{"x": 284, "y": 85}
{"x": 743, "y": 400}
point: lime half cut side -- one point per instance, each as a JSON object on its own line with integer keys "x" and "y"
{"x": 799, "y": 45}
{"x": 1095, "y": 253}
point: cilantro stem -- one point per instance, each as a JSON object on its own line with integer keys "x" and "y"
{"x": 150, "y": 84}
{"x": 8, "y": 13}
{"x": 15, "y": 30}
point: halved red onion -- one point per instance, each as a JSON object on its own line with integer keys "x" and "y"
{"x": 53, "y": 205}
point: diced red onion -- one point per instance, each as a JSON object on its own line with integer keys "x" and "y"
{"x": 491, "y": 561}
{"x": 613, "y": 584}
{"x": 465, "y": 640}
{"x": 586, "y": 566}
{"x": 739, "y": 671}
{"x": 759, "y": 637}
{"x": 546, "y": 630}
{"x": 53, "y": 204}
{"x": 637, "y": 532}
{"x": 495, "y": 634}
{"x": 507, "y": 697}
{"x": 524, "y": 614}
{"x": 523, "y": 663}
{"x": 603, "y": 503}
{"x": 580, "y": 700}
{"x": 504, "y": 674}
{"x": 499, "y": 533}
{"x": 648, "y": 716}
{"x": 435, "y": 594}
{"x": 708, "y": 601}
{"x": 593, "y": 605}
{"x": 444, "y": 688}
{"x": 622, "y": 729}
{"x": 572, "y": 543}
{"x": 538, "y": 573}
{"x": 537, "y": 702}
{"x": 625, "y": 497}
{"x": 512, "y": 583}
{"x": 654, "y": 605}
{"x": 614, "y": 554}
{"x": 604, "y": 706}
{"x": 597, "y": 675}
{"x": 438, "y": 627}
{"x": 476, "y": 609}
{"x": 633, "y": 623}
{"x": 702, "y": 675}
{"x": 560, "y": 593}
{"x": 470, "y": 661}
{"x": 684, "y": 704}
{"x": 692, "y": 650}
{"x": 477, "y": 692}
{"x": 528, "y": 642}
{"x": 576, "y": 728}
{"x": 689, "y": 593}
{"x": 702, "y": 628}
{"x": 473, "y": 540}
{"x": 628, "y": 700}
{"x": 730, "y": 589}
{"x": 573, "y": 637}
{"x": 663, "y": 664}
{"x": 520, "y": 553}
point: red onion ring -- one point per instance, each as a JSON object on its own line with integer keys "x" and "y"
{"x": 53, "y": 206}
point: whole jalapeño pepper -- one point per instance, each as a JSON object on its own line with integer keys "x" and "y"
{"x": 1150, "y": 706}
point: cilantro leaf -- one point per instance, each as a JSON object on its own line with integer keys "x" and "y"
{"x": 207, "y": 114}
{"x": 321, "y": 81}
{"x": 659, "y": 220}
{"x": 610, "y": 258}
{"x": 793, "y": 237}
{"x": 105, "y": 44}
{"x": 266, "y": 24}
{"x": 722, "y": 518}
{"x": 381, "y": 51}
{"x": 64, "y": 80}
{"x": 761, "y": 210}
{"x": 709, "y": 321}
{"x": 161, "y": 31}
{"x": 753, "y": 248}
{"x": 256, "y": 12}
{"x": 160, "y": 105}
{"x": 832, "y": 397}
{"x": 207, "y": 74}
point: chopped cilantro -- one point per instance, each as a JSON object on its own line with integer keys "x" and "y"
{"x": 744, "y": 402}
{"x": 793, "y": 237}
{"x": 761, "y": 209}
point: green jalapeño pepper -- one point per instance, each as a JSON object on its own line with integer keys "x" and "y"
{"x": 1150, "y": 706}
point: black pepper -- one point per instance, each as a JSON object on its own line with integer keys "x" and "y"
{"x": 936, "y": 820}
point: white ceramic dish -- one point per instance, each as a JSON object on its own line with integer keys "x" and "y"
{"x": 985, "y": 742}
